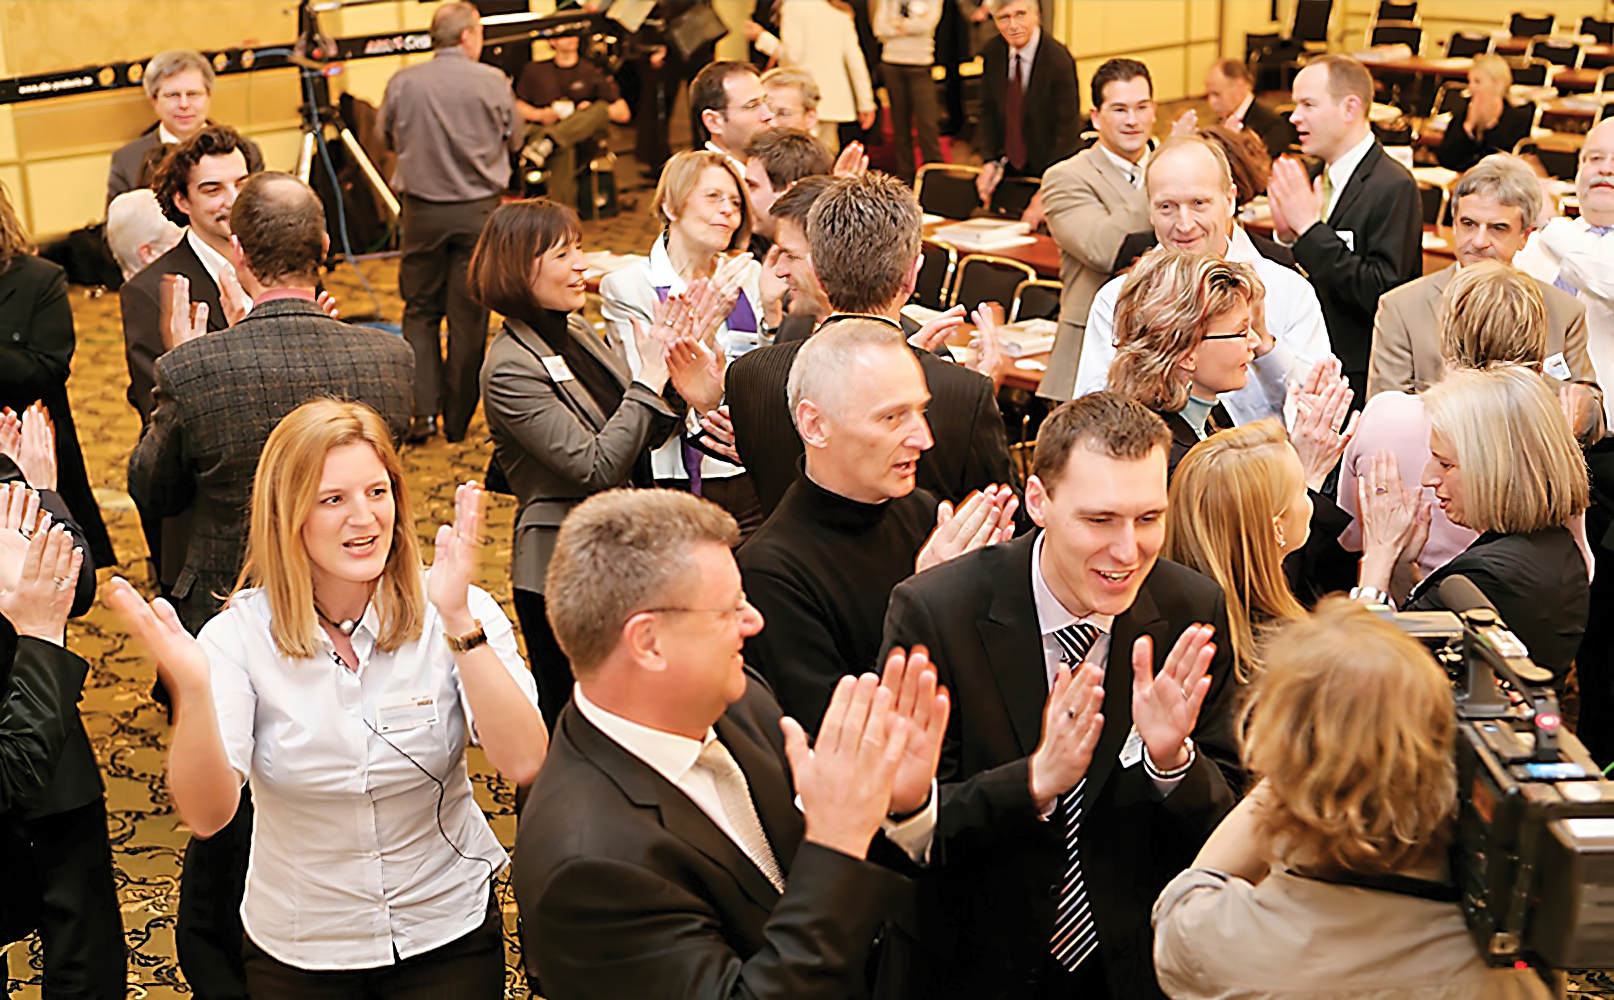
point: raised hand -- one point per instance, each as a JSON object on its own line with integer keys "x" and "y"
{"x": 986, "y": 517}
{"x": 852, "y": 162}
{"x": 1072, "y": 719}
{"x": 20, "y": 518}
{"x": 36, "y": 451}
{"x": 988, "y": 342}
{"x": 233, "y": 297}
{"x": 924, "y": 704}
{"x": 846, "y": 777}
{"x": 36, "y": 599}
{"x": 1388, "y": 511}
{"x": 1186, "y": 124}
{"x": 1296, "y": 203}
{"x": 670, "y": 316}
{"x": 10, "y": 433}
{"x": 1165, "y": 706}
{"x": 937, "y": 329}
{"x": 696, "y": 372}
{"x": 181, "y": 662}
{"x": 1320, "y": 427}
{"x": 719, "y": 430}
{"x": 182, "y": 320}
{"x": 454, "y": 562}
{"x": 327, "y": 305}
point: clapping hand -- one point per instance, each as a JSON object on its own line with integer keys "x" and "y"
{"x": 1165, "y": 706}
{"x": 181, "y": 662}
{"x": 719, "y": 430}
{"x": 1320, "y": 420}
{"x": 454, "y": 562}
{"x": 327, "y": 305}
{"x": 937, "y": 329}
{"x": 924, "y": 705}
{"x": 1186, "y": 124}
{"x": 30, "y": 443}
{"x": 182, "y": 320}
{"x": 1394, "y": 520}
{"x": 852, "y": 162}
{"x": 20, "y": 519}
{"x": 696, "y": 372}
{"x": 986, "y": 517}
{"x": 37, "y": 597}
{"x": 233, "y": 297}
{"x": 671, "y": 317}
{"x": 845, "y": 779}
{"x": 1296, "y": 203}
{"x": 1072, "y": 719}
{"x": 988, "y": 343}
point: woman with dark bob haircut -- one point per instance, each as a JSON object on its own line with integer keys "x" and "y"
{"x": 568, "y": 419}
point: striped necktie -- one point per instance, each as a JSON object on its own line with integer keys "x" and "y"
{"x": 1075, "y": 935}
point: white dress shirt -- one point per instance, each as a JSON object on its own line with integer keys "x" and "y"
{"x": 348, "y": 862}
{"x": 1294, "y": 318}
{"x": 1133, "y": 172}
{"x": 1053, "y": 616}
{"x": 215, "y": 262}
{"x": 673, "y": 757}
{"x": 1339, "y": 172}
{"x": 630, "y": 293}
{"x": 1028, "y": 55}
{"x": 1586, "y": 260}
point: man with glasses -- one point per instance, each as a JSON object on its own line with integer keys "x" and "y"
{"x": 792, "y": 96}
{"x": 179, "y": 84}
{"x": 729, "y": 108}
{"x": 1029, "y": 103}
{"x": 1093, "y": 200}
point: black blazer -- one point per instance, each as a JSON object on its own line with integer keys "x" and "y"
{"x": 1538, "y": 584}
{"x": 1458, "y": 150}
{"x": 1276, "y": 131}
{"x": 1050, "y": 112}
{"x": 140, "y": 299}
{"x": 626, "y": 888}
{"x": 1138, "y": 244}
{"x": 38, "y": 715}
{"x": 217, "y": 399}
{"x": 995, "y": 866}
{"x": 970, "y": 453}
{"x": 1379, "y": 207}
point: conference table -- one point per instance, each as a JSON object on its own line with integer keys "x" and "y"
{"x": 1446, "y": 68}
{"x": 1594, "y": 56}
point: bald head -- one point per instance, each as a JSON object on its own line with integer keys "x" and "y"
{"x": 1594, "y": 181}
{"x": 1191, "y": 195}
{"x": 279, "y": 224}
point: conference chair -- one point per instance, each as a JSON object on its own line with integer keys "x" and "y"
{"x": 1527, "y": 24}
{"x": 984, "y": 277}
{"x": 1598, "y": 28}
{"x": 947, "y": 190}
{"x": 938, "y": 264}
{"x": 1397, "y": 33}
{"x": 1012, "y": 195}
{"x": 1035, "y": 299}
{"x": 1558, "y": 51}
{"x": 1468, "y": 44}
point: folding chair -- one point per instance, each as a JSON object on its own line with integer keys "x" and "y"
{"x": 989, "y": 278}
{"x": 947, "y": 190}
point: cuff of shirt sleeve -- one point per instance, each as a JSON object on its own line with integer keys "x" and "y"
{"x": 1166, "y": 781}
{"x": 915, "y": 833}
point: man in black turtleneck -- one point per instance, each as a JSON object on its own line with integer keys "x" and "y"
{"x": 852, "y": 526}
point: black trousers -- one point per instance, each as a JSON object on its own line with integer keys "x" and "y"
{"x": 80, "y": 925}
{"x": 551, "y": 670}
{"x": 471, "y": 966}
{"x": 207, "y": 931}
{"x": 436, "y": 242}
{"x": 913, "y": 115}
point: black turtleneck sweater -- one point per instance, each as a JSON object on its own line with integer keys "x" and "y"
{"x": 820, "y": 570}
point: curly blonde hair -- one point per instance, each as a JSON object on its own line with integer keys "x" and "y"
{"x": 1351, "y": 725}
{"x": 1164, "y": 308}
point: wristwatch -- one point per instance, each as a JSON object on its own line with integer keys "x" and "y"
{"x": 470, "y": 640}
{"x": 1371, "y": 595}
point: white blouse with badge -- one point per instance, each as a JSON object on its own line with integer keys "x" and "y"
{"x": 348, "y": 861}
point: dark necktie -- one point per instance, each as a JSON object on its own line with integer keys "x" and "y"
{"x": 1014, "y": 138}
{"x": 1074, "y": 936}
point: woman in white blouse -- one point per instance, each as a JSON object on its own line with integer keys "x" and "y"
{"x": 345, "y": 683}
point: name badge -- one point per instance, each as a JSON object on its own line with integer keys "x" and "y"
{"x": 1132, "y": 749}
{"x": 558, "y": 370}
{"x": 1348, "y": 237}
{"x": 408, "y": 713}
{"x": 1557, "y": 367}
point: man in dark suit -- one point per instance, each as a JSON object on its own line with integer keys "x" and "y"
{"x": 1083, "y": 763}
{"x": 217, "y": 398}
{"x": 864, "y": 234}
{"x": 660, "y": 850}
{"x": 1229, "y": 90}
{"x": 179, "y": 84}
{"x": 1370, "y": 237}
{"x": 1029, "y": 104}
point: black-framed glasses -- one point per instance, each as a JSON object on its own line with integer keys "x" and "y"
{"x": 1242, "y": 335}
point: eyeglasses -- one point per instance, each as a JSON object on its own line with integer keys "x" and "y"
{"x": 729, "y": 613}
{"x": 1240, "y": 335}
{"x": 175, "y": 96}
{"x": 753, "y": 105}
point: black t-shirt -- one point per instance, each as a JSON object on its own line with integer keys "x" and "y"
{"x": 544, "y": 83}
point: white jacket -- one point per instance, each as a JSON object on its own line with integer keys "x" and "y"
{"x": 823, "y": 41}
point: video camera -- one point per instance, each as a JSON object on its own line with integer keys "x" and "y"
{"x": 1533, "y": 856}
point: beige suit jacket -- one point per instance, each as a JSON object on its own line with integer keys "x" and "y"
{"x": 1091, "y": 208}
{"x": 1406, "y": 338}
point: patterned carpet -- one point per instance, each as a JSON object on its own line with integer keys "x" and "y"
{"x": 129, "y": 731}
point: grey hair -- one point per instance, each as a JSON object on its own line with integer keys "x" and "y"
{"x": 452, "y": 20}
{"x": 795, "y": 76}
{"x": 165, "y": 64}
{"x": 1507, "y": 179}
{"x": 132, "y": 220}
{"x": 994, "y": 6}
{"x": 819, "y": 369}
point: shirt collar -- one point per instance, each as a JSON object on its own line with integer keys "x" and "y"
{"x": 1052, "y": 615}
{"x": 736, "y": 162}
{"x": 1339, "y": 172}
{"x": 662, "y": 272}
{"x": 1240, "y": 248}
{"x": 1125, "y": 165}
{"x": 1243, "y": 109}
{"x": 1028, "y": 52}
{"x": 168, "y": 138}
{"x": 668, "y": 754}
{"x": 210, "y": 258}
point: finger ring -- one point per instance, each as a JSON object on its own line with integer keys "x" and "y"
{"x": 63, "y": 582}
{"x": 1185, "y": 693}
{"x": 1381, "y": 489}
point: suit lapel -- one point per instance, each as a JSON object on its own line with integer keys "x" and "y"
{"x": 1143, "y": 618}
{"x": 1354, "y": 186}
{"x": 1013, "y": 642}
{"x": 570, "y": 389}
{"x": 680, "y": 816}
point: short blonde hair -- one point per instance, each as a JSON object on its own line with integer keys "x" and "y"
{"x": 1164, "y": 308}
{"x": 1224, "y": 495}
{"x": 1352, "y": 727}
{"x": 1493, "y": 314}
{"x": 800, "y": 80}
{"x": 680, "y": 177}
{"x": 283, "y": 492}
{"x": 618, "y": 553}
{"x": 1495, "y": 67}
{"x": 1521, "y": 468}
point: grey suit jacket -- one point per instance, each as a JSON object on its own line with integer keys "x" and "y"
{"x": 217, "y": 399}
{"x": 1091, "y": 208}
{"x": 556, "y": 444}
{"x": 1406, "y": 338}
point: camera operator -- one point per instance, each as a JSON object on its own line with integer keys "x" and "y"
{"x": 1339, "y": 854}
